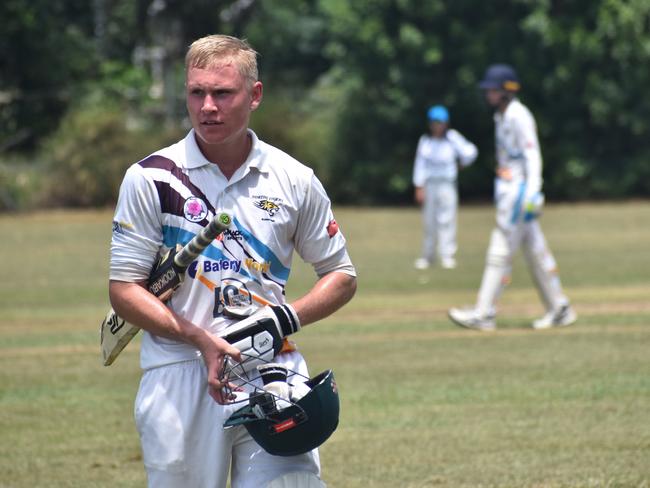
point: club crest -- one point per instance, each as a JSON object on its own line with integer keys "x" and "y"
{"x": 268, "y": 206}
{"x": 195, "y": 209}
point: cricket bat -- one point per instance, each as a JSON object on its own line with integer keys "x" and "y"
{"x": 166, "y": 276}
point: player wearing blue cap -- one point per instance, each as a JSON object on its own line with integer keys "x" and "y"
{"x": 519, "y": 200}
{"x": 438, "y": 156}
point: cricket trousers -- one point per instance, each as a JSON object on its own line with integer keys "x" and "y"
{"x": 184, "y": 444}
{"x": 439, "y": 215}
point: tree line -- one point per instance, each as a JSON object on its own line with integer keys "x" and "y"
{"x": 86, "y": 88}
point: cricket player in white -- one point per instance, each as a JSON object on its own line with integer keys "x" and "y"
{"x": 437, "y": 158}
{"x": 519, "y": 200}
{"x": 277, "y": 206}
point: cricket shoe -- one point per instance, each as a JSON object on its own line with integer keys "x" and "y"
{"x": 563, "y": 316}
{"x": 448, "y": 263}
{"x": 421, "y": 264}
{"x": 471, "y": 319}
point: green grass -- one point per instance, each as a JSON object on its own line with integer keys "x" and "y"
{"x": 424, "y": 403}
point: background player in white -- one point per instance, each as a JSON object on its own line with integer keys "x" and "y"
{"x": 518, "y": 198}
{"x": 438, "y": 156}
{"x": 278, "y": 206}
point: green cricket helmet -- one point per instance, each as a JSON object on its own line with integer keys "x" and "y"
{"x": 298, "y": 428}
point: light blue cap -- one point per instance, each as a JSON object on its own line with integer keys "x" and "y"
{"x": 438, "y": 113}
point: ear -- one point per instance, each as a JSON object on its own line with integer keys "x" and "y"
{"x": 256, "y": 95}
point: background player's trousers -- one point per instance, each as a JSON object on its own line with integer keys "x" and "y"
{"x": 515, "y": 230}
{"x": 184, "y": 444}
{"x": 439, "y": 214}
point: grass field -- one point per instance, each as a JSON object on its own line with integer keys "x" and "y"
{"x": 424, "y": 403}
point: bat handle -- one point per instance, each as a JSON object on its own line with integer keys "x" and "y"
{"x": 216, "y": 226}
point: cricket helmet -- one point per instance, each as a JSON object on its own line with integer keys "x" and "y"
{"x": 500, "y": 76}
{"x": 298, "y": 428}
{"x": 438, "y": 113}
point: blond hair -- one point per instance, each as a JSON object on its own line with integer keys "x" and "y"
{"x": 217, "y": 49}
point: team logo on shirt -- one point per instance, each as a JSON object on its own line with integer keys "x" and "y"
{"x": 267, "y": 205}
{"x": 195, "y": 209}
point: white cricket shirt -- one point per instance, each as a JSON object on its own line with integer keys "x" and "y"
{"x": 277, "y": 205}
{"x": 517, "y": 147}
{"x": 436, "y": 158}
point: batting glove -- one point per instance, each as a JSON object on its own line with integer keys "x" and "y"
{"x": 533, "y": 205}
{"x": 259, "y": 337}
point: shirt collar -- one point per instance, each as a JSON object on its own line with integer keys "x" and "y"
{"x": 194, "y": 158}
{"x": 498, "y": 116}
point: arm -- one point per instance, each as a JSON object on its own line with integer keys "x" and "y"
{"x": 419, "y": 165}
{"x": 528, "y": 142}
{"x": 419, "y": 195}
{"x": 466, "y": 152}
{"x": 419, "y": 176}
{"x": 329, "y": 294}
{"x": 136, "y": 305}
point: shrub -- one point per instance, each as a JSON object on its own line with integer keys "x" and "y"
{"x": 89, "y": 153}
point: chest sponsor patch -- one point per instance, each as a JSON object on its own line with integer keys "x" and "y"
{"x": 211, "y": 265}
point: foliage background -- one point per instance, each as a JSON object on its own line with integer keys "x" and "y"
{"x": 349, "y": 81}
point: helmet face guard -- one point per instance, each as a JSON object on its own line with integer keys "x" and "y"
{"x": 298, "y": 428}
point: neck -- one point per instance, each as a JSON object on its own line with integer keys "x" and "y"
{"x": 504, "y": 104}
{"x": 228, "y": 156}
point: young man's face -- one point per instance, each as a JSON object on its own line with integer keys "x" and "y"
{"x": 219, "y": 103}
{"x": 438, "y": 128}
{"x": 494, "y": 97}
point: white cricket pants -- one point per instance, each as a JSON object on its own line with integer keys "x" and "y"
{"x": 514, "y": 230}
{"x": 184, "y": 444}
{"x": 439, "y": 214}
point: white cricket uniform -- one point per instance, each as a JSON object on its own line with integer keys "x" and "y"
{"x": 518, "y": 181}
{"x": 436, "y": 170}
{"x": 278, "y": 206}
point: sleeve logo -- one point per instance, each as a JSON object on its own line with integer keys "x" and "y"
{"x": 332, "y": 228}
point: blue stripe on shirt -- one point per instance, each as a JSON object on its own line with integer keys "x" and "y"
{"x": 277, "y": 268}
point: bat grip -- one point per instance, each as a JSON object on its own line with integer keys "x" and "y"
{"x": 202, "y": 240}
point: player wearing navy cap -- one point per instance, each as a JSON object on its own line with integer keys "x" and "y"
{"x": 519, "y": 200}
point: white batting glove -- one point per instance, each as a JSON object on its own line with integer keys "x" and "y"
{"x": 259, "y": 337}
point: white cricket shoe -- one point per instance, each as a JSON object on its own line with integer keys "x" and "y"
{"x": 470, "y": 319}
{"x": 448, "y": 263}
{"x": 421, "y": 263}
{"x": 561, "y": 317}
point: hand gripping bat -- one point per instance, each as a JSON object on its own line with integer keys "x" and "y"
{"x": 166, "y": 276}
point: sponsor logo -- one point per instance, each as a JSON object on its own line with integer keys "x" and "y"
{"x": 162, "y": 282}
{"x": 284, "y": 425}
{"x": 231, "y": 293}
{"x": 118, "y": 227}
{"x": 195, "y": 209}
{"x": 255, "y": 266}
{"x": 332, "y": 228}
{"x": 231, "y": 235}
{"x": 115, "y": 323}
{"x": 210, "y": 265}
